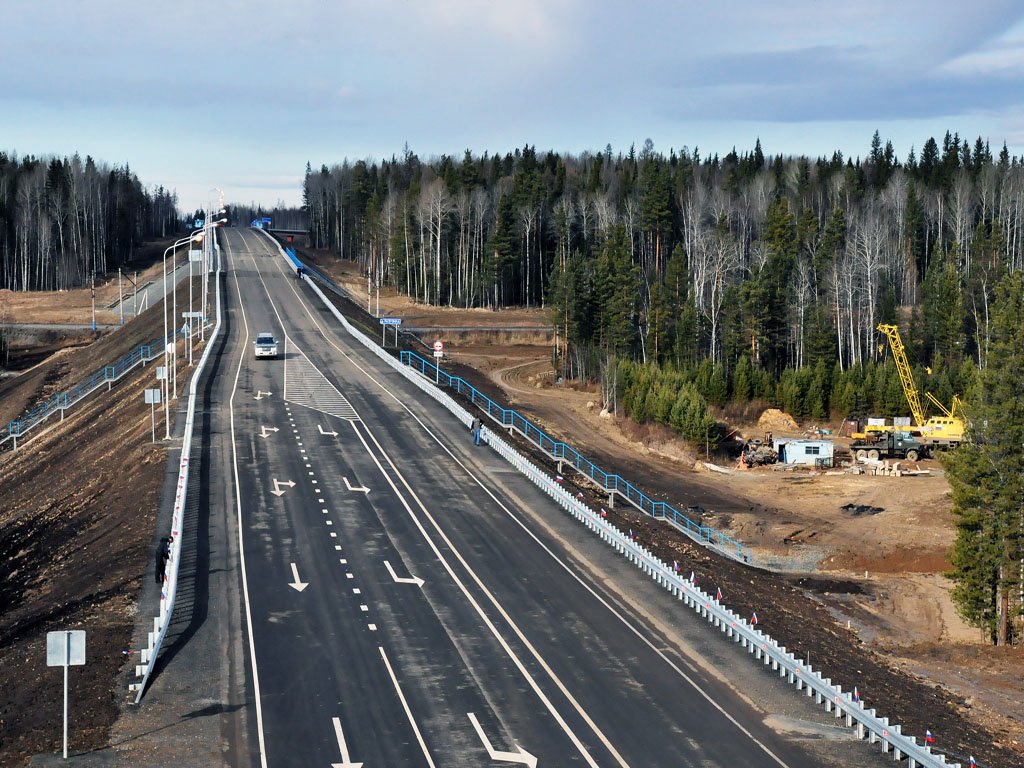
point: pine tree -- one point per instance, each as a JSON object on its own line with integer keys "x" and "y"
{"x": 987, "y": 480}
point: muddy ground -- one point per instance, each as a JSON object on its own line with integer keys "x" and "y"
{"x": 857, "y": 586}
{"x": 77, "y": 508}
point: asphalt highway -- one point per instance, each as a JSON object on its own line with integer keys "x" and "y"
{"x": 407, "y": 599}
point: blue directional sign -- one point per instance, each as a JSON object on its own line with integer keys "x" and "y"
{"x": 391, "y": 321}
{"x": 198, "y": 223}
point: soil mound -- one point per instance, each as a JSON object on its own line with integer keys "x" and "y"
{"x": 775, "y": 420}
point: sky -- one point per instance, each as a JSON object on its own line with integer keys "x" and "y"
{"x": 238, "y": 95}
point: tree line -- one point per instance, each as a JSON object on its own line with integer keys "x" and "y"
{"x": 63, "y": 219}
{"x": 680, "y": 281}
{"x": 674, "y": 258}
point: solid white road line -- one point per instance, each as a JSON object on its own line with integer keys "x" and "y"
{"x": 483, "y": 614}
{"x": 241, "y": 545}
{"x": 623, "y": 619}
{"x": 464, "y": 589}
{"x": 405, "y": 706}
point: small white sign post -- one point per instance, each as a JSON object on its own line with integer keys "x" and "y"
{"x": 64, "y": 649}
{"x": 153, "y": 398}
{"x": 438, "y": 354}
{"x": 161, "y": 375}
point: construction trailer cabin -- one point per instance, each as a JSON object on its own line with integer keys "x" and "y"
{"x": 811, "y": 453}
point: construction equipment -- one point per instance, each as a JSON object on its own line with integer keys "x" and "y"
{"x": 943, "y": 431}
{"x": 892, "y": 445}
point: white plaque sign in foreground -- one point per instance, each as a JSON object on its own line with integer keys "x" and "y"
{"x": 65, "y": 648}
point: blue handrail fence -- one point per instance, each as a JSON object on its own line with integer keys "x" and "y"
{"x": 565, "y": 453}
{"x": 64, "y": 400}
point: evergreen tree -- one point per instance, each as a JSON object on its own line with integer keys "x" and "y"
{"x": 987, "y": 479}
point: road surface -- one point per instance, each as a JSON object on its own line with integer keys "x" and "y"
{"x": 406, "y": 602}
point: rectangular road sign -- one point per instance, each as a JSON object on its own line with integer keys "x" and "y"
{"x": 191, "y": 314}
{"x": 195, "y": 255}
{"x": 438, "y": 353}
{"x": 161, "y": 372}
{"x": 391, "y": 321}
{"x": 55, "y": 650}
{"x": 153, "y": 396}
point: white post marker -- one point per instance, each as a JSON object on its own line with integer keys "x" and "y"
{"x": 438, "y": 354}
{"x": 522, "y": 756}
{"x": 161, "y": 375}
{"x": 65, "y": 648}
{"x": 153, "y": 398}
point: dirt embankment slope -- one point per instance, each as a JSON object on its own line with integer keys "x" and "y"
{"x": 76, "y": 526}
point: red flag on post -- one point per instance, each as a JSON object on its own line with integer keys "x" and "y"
{"x": 719, "y": 598}
{"x": 753, "y": 619}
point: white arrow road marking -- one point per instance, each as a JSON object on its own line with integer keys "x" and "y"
{"x": 297, "y": 585}
{"x": 277, "y": 486}
{"x": 332, "y": 434}
{"x": 260, "y": 395}
{"x": 522, "y": 756}
{"x": 360, "y": 488}
{"x": 414, "y": 580}
{"x": 265, "y": 430}
{"x": 343, "y": 747}
{"x": 405, "y": 706}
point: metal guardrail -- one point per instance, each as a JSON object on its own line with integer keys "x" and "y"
{"x": 867, "y": 724}
{"x": 61, "y": 402}
{"x": 564, "y": 454}
{"x": 169, "y": 586}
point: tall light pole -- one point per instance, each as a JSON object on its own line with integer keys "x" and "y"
{"x": 207, "y": 261}
{"x": 167, "y": 368}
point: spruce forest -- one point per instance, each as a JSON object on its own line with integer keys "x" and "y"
{"x": 752, "y": 277}
{"x": 680, "y": 281}
{"x": 63, "y": 219}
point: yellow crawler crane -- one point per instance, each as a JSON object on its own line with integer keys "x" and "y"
{"x": 945, "y": 430}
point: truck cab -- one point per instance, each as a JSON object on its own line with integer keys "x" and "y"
{"x": 898, "y": 444}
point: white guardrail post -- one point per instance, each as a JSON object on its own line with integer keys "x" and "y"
{"x": 169, "y": 587}
{"x": 757, "y": 643}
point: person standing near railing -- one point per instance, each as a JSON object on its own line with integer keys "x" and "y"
{"x": 163, "y": 554}
{"x": 475, "y": 428}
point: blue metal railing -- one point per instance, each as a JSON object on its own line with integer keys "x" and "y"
{"x": 563, "y": 452}
{"x": 64, "y": 400}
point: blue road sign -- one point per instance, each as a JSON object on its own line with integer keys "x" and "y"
{"x": 391, "y": 321}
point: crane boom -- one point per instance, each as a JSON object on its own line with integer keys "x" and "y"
{"x": 899, "y": 355}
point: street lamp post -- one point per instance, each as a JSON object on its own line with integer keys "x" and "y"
{"x": 167, "y": 368}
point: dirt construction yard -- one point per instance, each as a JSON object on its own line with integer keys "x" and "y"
{"x": 870, "y": 550}
{"x": 851, "y": 565}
